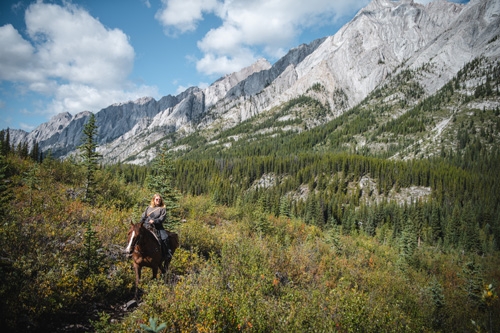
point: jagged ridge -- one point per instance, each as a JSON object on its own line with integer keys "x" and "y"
{"x": 383, "y": 39}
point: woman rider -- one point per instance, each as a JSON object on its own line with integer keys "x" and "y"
{"x": 155, "y": 215}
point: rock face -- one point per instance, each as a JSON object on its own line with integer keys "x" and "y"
{"x": 383, "y": 38}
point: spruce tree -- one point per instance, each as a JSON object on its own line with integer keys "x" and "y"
{"x": 6, "y": 143}
{"x": 5, "y": 192}
{"x": 438, "y": 300}
{"x": 35, "y": 152}
{"x": 472, "y": 275}
{"x": 90, "y": 158}
{"x": 408, "y": 245}
{"x": 285, "y": 207}
{"x": 31, "y": 180}
{"x": 91, "y": 256}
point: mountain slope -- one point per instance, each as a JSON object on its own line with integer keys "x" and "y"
{"x": 386, "y": 39}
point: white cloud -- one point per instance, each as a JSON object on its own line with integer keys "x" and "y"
{"x": 17, "y": 59}
{"x": 182, "y": 88}
{"x": 183, "y": 15}
{"x": 70, "y": 57}
{"x": 74, "y": 46}
{"x": 271, "y": 26}
{"x": 26, "y": 127}
{"x": 217, "y": 64}
{"x": 84, "y": 97}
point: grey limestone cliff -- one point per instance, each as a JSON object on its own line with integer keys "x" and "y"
{"x": 383, "y": 38}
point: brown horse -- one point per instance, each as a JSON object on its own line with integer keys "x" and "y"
{"x": 145, "y": 249}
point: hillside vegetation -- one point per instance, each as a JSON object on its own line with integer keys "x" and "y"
{"x": 385, "y": 218}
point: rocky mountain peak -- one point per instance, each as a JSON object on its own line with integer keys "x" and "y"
{"x": 55, "y": 125}
{"x": 382, "y": 39}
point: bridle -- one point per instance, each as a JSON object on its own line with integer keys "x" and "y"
{"x": 133, "y": 242}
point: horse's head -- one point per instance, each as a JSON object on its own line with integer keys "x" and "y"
{"x": 133, "y": 235}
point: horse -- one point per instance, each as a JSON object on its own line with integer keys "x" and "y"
{"x": 145, "y": 249}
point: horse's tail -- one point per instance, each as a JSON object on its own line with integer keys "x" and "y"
{"x": 173, "y": 240}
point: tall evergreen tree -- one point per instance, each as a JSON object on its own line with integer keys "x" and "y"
{"x": 5, "y": 194}
{"x": 90, "y": 157}
{"x": 408, "y": 244}
{"x": 438, "y": 300}
{"x": 35, "y": 152}
{"x": 472, "y": 275}
{"x": 31, "y": 180}
{"x": 452, "y": 234}
{"x": 90, "y": 256}
{"x": 285, "y": 207}
{"x": 5, "y": 139}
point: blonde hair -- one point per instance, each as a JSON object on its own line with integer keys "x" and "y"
{"x": 152, "y": 204}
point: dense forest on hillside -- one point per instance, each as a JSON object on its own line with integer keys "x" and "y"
{"x": 323, "y": 176}
{"x": 240, "y": 267}
{"x": 361, "y": 224}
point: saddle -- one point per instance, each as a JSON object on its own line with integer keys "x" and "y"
{"x": 166, "y": 252}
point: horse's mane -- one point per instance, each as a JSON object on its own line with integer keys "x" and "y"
{"x": 150, "y": 233}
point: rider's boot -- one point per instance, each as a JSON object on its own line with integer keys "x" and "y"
{"x": 166, "y": 253}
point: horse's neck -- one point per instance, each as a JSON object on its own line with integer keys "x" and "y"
{"x": 149, "y": 235}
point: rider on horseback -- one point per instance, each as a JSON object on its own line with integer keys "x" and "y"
{"x": 155, "y": 215}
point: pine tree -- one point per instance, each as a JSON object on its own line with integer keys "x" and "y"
{"x": 35, "y": 152}
{"x": 5, "y": 193}
{"x": 31, "y": 180}
{"x": 418, "y": 222}
{"x": 333, "y": 237}
{"x": 469, "y": 240}
{"x": 473, "y": 278}
{"x": 435, "y": 223}
{"x": 285, "y": 207}
{"x": 5, "y": 141}
{"x": 90, "y": 158}
{"x": 408, "y": 245}
{"x": 92, "y": 258}
{"x": 452, "y": 235}
{"x": 261, "y": 223}
{"x": 438, "y": 300}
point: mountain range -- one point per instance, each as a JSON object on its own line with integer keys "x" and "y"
{"x": 392, "y": 54}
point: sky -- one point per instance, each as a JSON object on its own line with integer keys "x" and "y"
{"x": 84, "y": 55}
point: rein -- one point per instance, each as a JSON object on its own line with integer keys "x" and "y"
{"x": 138, "y": 239}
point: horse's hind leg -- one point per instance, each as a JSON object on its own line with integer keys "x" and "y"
{"x": 163, "y": 266}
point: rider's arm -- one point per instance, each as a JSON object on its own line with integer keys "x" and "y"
{"x": 158, "y": 220}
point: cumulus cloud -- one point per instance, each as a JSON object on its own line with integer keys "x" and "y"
{"x": 247, "y": 26}
{"x": 183, "y": 15}
{"x": 17, "y": 59}
{"x": 69, "y": 56}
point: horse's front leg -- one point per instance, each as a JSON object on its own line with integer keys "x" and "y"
{"x": 137, "y": 269}
{"x": 155, "y": 271}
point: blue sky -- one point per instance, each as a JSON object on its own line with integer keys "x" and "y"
{"x": 72, "y": 56}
